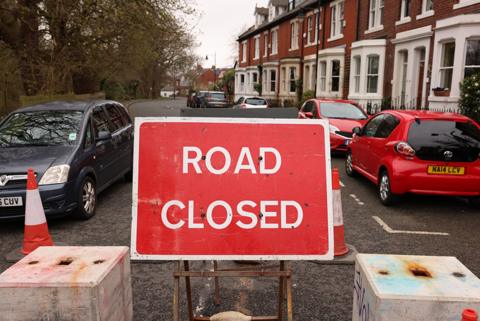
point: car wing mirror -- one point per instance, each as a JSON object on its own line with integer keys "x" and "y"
{"x": 104, "y": 136}
{"x": 308, "y": 115}
{"x": 357, "y": 131}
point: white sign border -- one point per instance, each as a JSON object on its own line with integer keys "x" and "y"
{"x": 139, "y": 121}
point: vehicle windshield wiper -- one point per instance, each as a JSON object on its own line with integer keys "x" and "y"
{"x": 28, "y": 145}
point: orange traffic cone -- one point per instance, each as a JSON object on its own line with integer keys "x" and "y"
{"x": 36, "y": 228}
{"x": 340, "y": 248}
{"x": 469, "y": 315}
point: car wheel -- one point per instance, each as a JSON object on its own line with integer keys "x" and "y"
{"x": 87, "y": 199}
{"x": 474, "y": 202}
{"x": 349, "y": 165}
{"x": 384, "y": 190}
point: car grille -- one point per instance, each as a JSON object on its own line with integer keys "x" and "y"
{"x": 13, "y": 181}
{"x": 344, "y": 134}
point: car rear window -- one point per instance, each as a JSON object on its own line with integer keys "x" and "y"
{"x": 217, "y": 96}
{"x": 432, "y": 139}
{"x": 341, "y": 111}
{"x": 256, "y": 101}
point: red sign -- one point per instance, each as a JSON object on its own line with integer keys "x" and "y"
{"x": 232, "y": 189}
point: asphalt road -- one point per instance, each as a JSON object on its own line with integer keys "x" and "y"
{"x": 321, "y": 292}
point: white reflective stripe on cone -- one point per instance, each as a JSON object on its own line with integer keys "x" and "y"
{"x": 34, "y": 214}
{"x": 337, "y": 208}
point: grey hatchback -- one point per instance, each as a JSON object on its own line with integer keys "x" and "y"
{"x": 77, "y": 150}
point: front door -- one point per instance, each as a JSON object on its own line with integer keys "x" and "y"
{"x": 420, "y": 77}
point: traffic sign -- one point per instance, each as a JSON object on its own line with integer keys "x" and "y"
{"x": 232, "y": 189}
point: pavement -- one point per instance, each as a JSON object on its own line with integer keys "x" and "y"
{"x": 418, "y": 225}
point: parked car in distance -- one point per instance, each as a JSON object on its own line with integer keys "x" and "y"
{"x": 77, "y": 150}
{"x": 214, "y": 99}
{"x": 251, "y": 102}
{"x": 197, "y": 99}
{"x": 418, "y": 152}
{"x": 342, "y": 115}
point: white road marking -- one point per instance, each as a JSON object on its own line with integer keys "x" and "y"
{"x": 388, "y": 229}
{"x": 359, "y": 202}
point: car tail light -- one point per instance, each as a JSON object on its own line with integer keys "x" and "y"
{"x": 404, "y": 149}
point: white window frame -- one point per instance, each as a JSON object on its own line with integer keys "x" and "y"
{"x": 377, "y": 75}
{"x": 266, "y": 42}
{"x": 272, "y": 81}
{"x": 275, "y": 41}
{"x": 310, "y": 30}
{"x": 294, "y": 35}
{"x": 290, "y": 79}
{"x": 465, "y": 59}
{"x": 404, "y": 18}
{"x": 330, "y": 88}
{"x": 357, "y": 73}
{"x": 257, "y": 47}
{"x": 376, "y": 12}
{"x": 424, "y": 12}
{"x": 323, "y": 65}
{"x": 337, "y": 20}
{"x": 244, "y": 51}
{"x": 441, "y": 68}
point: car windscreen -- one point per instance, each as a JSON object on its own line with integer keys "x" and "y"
{"x": 445, "y": 140}
{"x": 218, "y": 96}
{"x": 41, "y": 128}
{"x": 341, "y": 111}
{"x": 256, "y": 102}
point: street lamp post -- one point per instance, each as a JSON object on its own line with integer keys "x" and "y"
{"x": 214, "y": 67}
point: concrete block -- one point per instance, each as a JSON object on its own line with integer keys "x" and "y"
{"x": 68, "y": 284}
{"x": 412, "y": 288}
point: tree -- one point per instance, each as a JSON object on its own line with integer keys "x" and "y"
{"x": 469, "y": 103}
{"x": 74, "y": 46}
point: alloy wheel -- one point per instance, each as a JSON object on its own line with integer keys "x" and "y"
{"x": 88, "y": 197}
{"x": 384, "y": 187}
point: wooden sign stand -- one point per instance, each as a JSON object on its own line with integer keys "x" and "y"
{"x": 273, "y": 271}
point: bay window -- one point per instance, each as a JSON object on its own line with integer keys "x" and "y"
{"x": 372, "y": 74}
{"x": 472, "y": 60}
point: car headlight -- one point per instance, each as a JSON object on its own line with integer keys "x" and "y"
{"x": 333, "y": 129}
{"x": 55, "y": 175}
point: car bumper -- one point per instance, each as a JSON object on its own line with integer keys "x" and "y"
{"x": 216, "y": 105}
{"x": 339, "y": 143}
{"x": 412, "y": 177}
{"x": 57, "y": 199}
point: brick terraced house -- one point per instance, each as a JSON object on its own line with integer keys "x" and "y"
{"x": 400, "y": 53}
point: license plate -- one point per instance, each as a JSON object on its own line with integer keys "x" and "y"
{"x": 11, "y": 201}
{"x": 446, "y": 170}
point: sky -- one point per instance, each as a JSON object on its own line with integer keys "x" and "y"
{"x": 218, "y": 26}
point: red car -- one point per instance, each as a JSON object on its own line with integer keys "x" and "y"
{"x": 418, "y": 152}
{"x": 342, "y": 115}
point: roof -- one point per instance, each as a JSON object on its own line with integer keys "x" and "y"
{"x": 425, "y": 114}
{"x": 279, "y": 3}
{"x": 63, "y": 105}
{"x": 262, "y": 11}
{"x": 307, "y": 4}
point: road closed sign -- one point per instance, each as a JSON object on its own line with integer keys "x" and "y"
{"x": 232, "y": 189}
